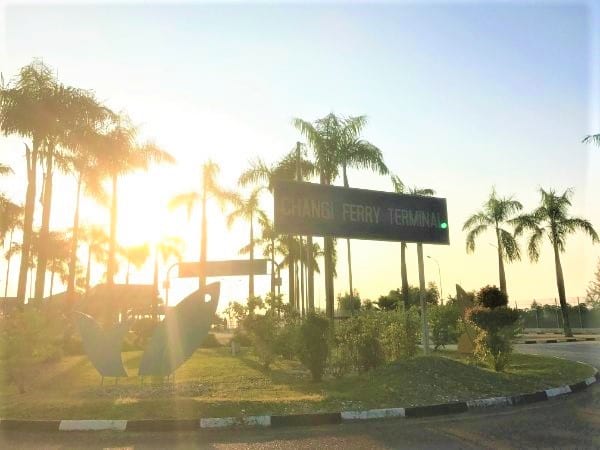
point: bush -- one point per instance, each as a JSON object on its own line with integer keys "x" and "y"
{"x": 358, "y": 342}
{"x": 349, "y": 303}
{"x": 141, "y": 333}
{"x": 210, "y": 341}
{"x": 496, "y": 330}
{"x": 262, "y": 331}
{"x": 400, "y": 334}
{"x": 26, "y": 338}
{"x": 491, "y": 297}
{"x": 443, "y": 323}
{"x": 313, "y": 344}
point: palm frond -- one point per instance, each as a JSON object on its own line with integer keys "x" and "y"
{"x": 472, "y": 235}
{"x": 592, "y": 139}
{"x": 510, "y": 246}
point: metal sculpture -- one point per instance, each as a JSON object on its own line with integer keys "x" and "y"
{"x": 174, "y": 340}
{"x": 180, "y": 334}
{"x": 103, "y": 347}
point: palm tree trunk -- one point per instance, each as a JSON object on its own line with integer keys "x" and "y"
{"x": 31, "y": 157}
{"x": 155, "y": 285}
{"x": 500, "y": 262}
{"x": 329, "y": 288}
{"x": 311, "y": 275}
{"x": 348, "y": 240}
{"x": 112, "y": 248}
{"x": 302, "y": 260}
{"x": 42, "y": 261}
{"x": 404, "y": 276}
{"x": 272, "y": 267}
{"x": 251, "y": 277}
{"x": 291, "y": 264}
{"x": 560, "y": 283}
{"x": 203, "y": 234}
{"x": 74, "y": 238}
{"x": 127, "y": 273}
{"x": 10, "y": 243}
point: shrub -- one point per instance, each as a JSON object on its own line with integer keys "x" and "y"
{"x": 491, "y": 297}
{"x": 497, "y": 328}
{"x": 262, "y": 331}
{"x": 358, "y": 342}
{"x": 210, "y": 341}
{"x": 26, "y": 338}
{"x": 349, "y": 303}
{"x": 443, "y": 323}
{"x": 141, "y": 332}
{"x": 400, "y": 334}
{"x": 313, "y": 344}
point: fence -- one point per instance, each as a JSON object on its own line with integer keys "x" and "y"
{"x": 550, "y": 315}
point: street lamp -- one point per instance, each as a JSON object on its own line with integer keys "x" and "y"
{"x": 440, "y": 277}
{"x": 168, "y": 285}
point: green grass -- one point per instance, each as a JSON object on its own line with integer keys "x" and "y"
{"x": 214, "y": 384}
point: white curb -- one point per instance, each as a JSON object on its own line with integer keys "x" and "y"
{"x": 590, "y": 380}
{"x": 257, "y": 421}
{"x": 488, "y": 402}
{"x": 219, "y": 422}
{"x": 92, "y": 425}
{"x": 373, "y": 414}
{"x": 555, "y": 392}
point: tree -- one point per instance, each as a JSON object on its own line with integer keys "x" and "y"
{"x": 496, "y": 212}
{"x": 97, "y": 241}
{"x": 11, "y": 218}
{"x": 593, "y": 290}
{"x": 247, "y": 209}
{"x": 136, "y": 255}
{"x": 401, "y": 188}
{"x": 355, "y": 152}
{"x": 551, "y": 220}
{"x": 592, "y": 139}
{"x": 58, "y": 256}
{"x": 26, "y": 110}
{"x": 122, "y": 155}
{"x": 210, "y": 188}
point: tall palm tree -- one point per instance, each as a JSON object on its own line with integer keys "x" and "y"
{"x": 58, "y": 256}
{"x": 551, "y": 220}
{"x": 401, "y": 188}
{"x": 287, "y": 168}
{"x": 123, "y": 155}
{"x": 97, "y": 241}
{"x": 70, "y": 107}
{"x": 357, "y": 153}
{"x": 247, "y": 209}
{"x": 135, "y": 255}
{"x": 496, "y": 212}
{"x": 167, "y": 248}
{"x": 11, "y": 218}
{"x": 210, "y": 188}
{"x": 592, "y": 139}
{"x": 325, "y": 137}
{"x": 26, "y": 109}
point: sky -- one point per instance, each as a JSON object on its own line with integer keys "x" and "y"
{"x": 460, "y": 97}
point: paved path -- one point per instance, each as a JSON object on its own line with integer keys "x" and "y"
{"x": 569, "y": 422}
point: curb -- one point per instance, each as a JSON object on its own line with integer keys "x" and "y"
{"x": 278, "y": 421}
{"x": 557, "y": 341}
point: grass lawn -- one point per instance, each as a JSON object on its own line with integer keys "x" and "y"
{"x": 214, "y": 384}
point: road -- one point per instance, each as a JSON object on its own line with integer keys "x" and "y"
{"x": 569, "y": 422}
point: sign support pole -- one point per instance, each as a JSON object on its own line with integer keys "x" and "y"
{"x": 422, "y": 298}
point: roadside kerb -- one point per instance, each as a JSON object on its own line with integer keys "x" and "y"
{"x": 277, "y": 421}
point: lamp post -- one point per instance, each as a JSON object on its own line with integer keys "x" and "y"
{"x": 440, "y": 277}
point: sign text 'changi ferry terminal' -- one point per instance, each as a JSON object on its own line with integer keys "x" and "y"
{"x": 321, "y": 210}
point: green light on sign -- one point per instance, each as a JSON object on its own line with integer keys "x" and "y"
{"x": 443, "y": 225}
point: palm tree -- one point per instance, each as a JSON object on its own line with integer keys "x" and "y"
{"x": 325, "y": 137}
{"x": 360, "y": 154}
{"x": 210, "y": 189}
{"x": 401, "y": 188}
{"x": 27, "y": 109}
{"x": 58, "y": 256}
{"x": 288, "y": 168}
{"x": 122, "y": 155}
{"x": 135, "y": 255}
{"x": 551, "y": 220}
{"x": 11, "y": 216}
{"x": 70, "y": 108}
{"x": 247, "y": 209}
{"x": 496, "y": 212}
{"x": 97, "y": 241}
{"x": 168, "y": 248}
{"x": 592, "y": 139}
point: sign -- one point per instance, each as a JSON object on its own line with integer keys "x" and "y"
{"x": 319, "y": 210}
{"x": 234, "y": 267}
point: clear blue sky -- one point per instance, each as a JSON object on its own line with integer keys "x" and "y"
{"x": 459, "y": 97}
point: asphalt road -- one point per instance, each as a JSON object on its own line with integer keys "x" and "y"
{"x": 569, "y": 422}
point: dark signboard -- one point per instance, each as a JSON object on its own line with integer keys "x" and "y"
{"x": 319, "y": 210}
{"x": 234, "y": 267}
